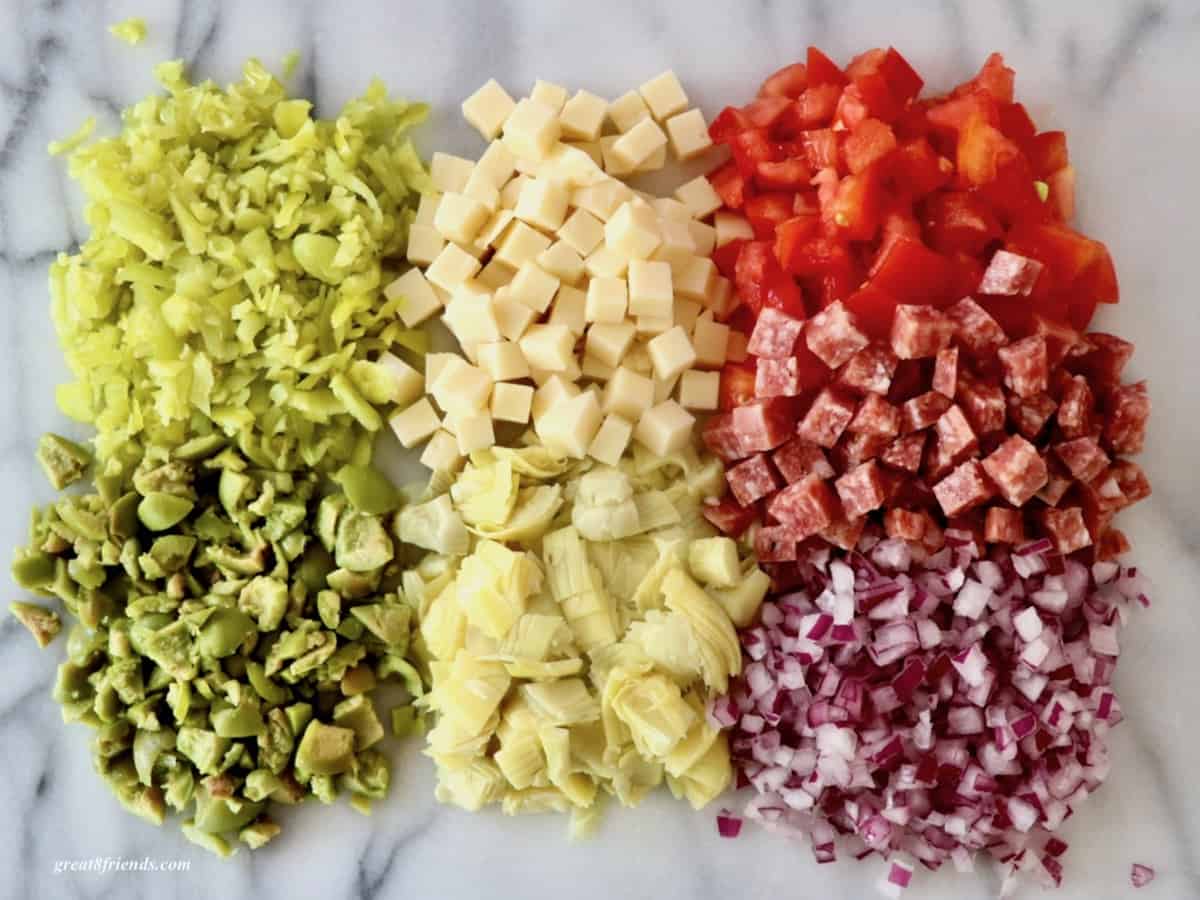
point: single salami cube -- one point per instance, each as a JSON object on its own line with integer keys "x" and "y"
{"x": 728, "y": 516}
{"x": 955, "y": 439}
{"x": 934, "y": 538}
{"x": 1004, "y": 526}
{"x": 1132, "y": 481}
{"x": 775, "y": 543}
{"x": 982, "y": 401}
{"x": 1010, "y": 275}
{"x": 861, "y": 489}
{"x": 827, "y": 418}
{"x": 857, "y": 447}
{"x": 922, "y": 411}
{"x": 869, "y": 371}
{"x": 805, "y": 507}
{"x": 720, "y": 436}
{"x": 833, "y": 336}
{"x": 1127, "y": 409}
{"x": 1017, "y": 470}
{"x": 945, "y": 372}
{"x": 876, "y": 416}
{"x": 1112, "y": 544}
{"x": 1066, "y": 529}
{"x": 1101, "y": 357}
{"x": 777, "y": 378}
{"x": 1026, "y": 370}
{"x": 1058, "y": 482}
{"x": 1061, "y": 340}
{"x": 1030, "y": 414}
{"x": 1075, "y": 408}
{"x": 775, "y": 334}
{"x": 905, "y": 452}
{"x": 975, "y": 329}
{"x": 964, "y": 488}
{"x": 1083, "y": 457}
{"x": 920, "y": 331}
{"x": 752, "y": 480}
{"x": 844, "y": 533}
{"x": 798, "y": 458}
{"x": 904, "y": 524}
{"x": 763, "y": 424}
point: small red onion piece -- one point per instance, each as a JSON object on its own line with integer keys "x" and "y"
{"x": 1141, "y": 875}
{"x": 728, "y": 825}
{"x": 897, "y": 880}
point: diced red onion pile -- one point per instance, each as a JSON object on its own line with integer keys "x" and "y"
{"x": 931, "y": 709}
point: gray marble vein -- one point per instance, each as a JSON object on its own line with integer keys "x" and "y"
{"x": 1119, "y": 76}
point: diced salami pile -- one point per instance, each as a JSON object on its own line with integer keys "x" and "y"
{"x": 946, "y": 423}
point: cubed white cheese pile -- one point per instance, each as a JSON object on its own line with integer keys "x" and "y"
{"x": 582, "y": 306}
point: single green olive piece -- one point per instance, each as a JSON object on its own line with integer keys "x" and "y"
{"x": 159, "y": 511}
{"x": 368, "y": 490}
{"x": 44, "y": 624}
{"x": 63, "y": 461}
{"x": 325, "y": 749}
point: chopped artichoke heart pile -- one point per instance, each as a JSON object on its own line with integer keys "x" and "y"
{"x": 231, "y": 283}
{"x": 575, "y": 636}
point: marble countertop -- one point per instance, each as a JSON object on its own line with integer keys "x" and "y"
{"x": 1119, "y": 76}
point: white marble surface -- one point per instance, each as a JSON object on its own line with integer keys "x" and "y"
{"x": 1121, "y": 77}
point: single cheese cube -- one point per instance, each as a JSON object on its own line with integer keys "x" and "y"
{"x": 592, "y": 149}
{"x": 548, "y": 347}
{"x": 670, "y": 208}
{"x": 664, "y": 95}
{"x": 513, "y": 317}
{"x": 534, "y": 287}
{"x": 427, "y": 208}
{"x": 664, "y": 388}
{"x": 497, "y": 164}
{"x": 638, "y": 144}
{"x": 607, "y": 300}
{"x": 633, "y": 231}
{"x": 436, "y": 363}
{"x": 561, "y": 261}
{"x": 699, "y": 390}
{"x": 441, "y": 453}
{"x": 424, "y": 244}
{"x": 650, "y": 290}
{"x": 653, "y": 162}
{"x": 449, "y": 173}
{"x": 704, "y": 237}
{"x": 510, "y": 193}
{"x": 602, "y": 199}
{"x": 453, "y": 266}
{"x": 654, "y": 325}
{"x": 637, "y": 359}
{"x": 694, "y": 279}
{"x": 731, "y": 227}
{"x": 627, "y": 110}
{"x": 495, "y": 275}
{"x": 614, "y": 165}
{"x": 736, "y": 350}
{"x": 503, "y": 361}
{"x": 553, "y": 95}
{"x": 520, "y": 244}
{"x": 543, "y": 203}
{"x": 699, "y": 196}
{"x": 608, "y": 446}
{"x": 407, "y": 384}
{"x": 531, "y": 129}
{"x": 417, "y": 301}
{"x": 571, "y": 373}
{"x": 627, "y": 393}
{"x": 582, "y": 117}
{"x": 512, "y": 402}
{"x": 570, "y": 166}
{"x": 569, "y": 427}
{"x": 604, "y": 262}
{"x": 720, "y": 299}
{"x": 665, "y": 428}
{"x": 459, "y": 218}
{"x": 671, "y": 352}
{"x": 688, "y": 133}
{"x": 570, "y": 309}
{"x": 553, "y": 391}
{"x": 481, "y": 189}
{"x": 710, "y": 340}
{"x": 474, "y": 432}
{"x": 471, "y": 318}
{"x": 493, "y": 230}
{"x": 609, "y": 342}
{"x": 415, "y": 423}
{"x": 582, "y": 231}
{"x": 487, "y": 108}
{"x": 686, "y": 314}
{"x": 461, "y": 388}
{"x": 593, "y": 368}
{"x": 676, "y": 247}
